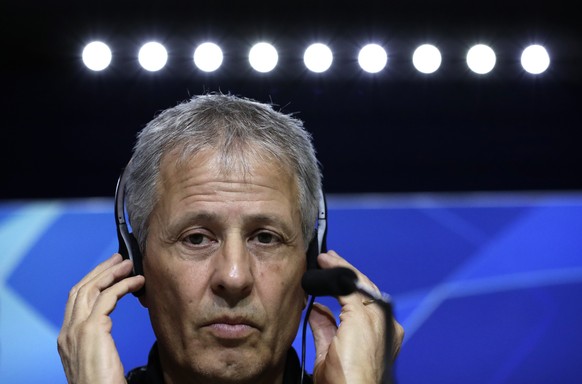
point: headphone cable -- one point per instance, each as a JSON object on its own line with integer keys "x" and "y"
{"x": 303, "y": 337}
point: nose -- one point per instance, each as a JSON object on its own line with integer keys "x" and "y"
{"x": 232, "y": 277}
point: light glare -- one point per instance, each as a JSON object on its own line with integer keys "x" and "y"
{"x": 208, "y": 57}
{"x": 318, "y": 58}
{"x": 427, "y": 58}
{"x": 481, "y": 59}
{"x": 372, "y": 58}
{"x": 153, "y": 56}
{"x": 535, "y": 59}
{"x": 96, "y": 56}
{"x": 263, "y": 57}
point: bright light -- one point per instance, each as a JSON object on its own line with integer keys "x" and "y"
{"x": 427, "y": 58}
{"x": 535, "y": 59}
{"x": 153, "y": 56}
{"x": 481, "y": 59}
{"x": 372, "y": 58}
{"x": 318, "y": 58}
{"x": 96, "y": 56}
{"x": 263, "y": 57}
{"x": 208, "y": 57}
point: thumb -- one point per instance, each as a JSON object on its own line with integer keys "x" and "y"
{"x": 324, "y": 328}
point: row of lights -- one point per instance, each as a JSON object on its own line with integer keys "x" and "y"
{"x": 318, "y": 57}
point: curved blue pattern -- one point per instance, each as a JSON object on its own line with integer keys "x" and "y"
{"x": 487, "y": 287}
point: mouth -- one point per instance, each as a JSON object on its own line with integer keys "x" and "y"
{"x": 231, "y": 328}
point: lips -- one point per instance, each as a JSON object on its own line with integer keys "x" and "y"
{"x": 231, "y": 328}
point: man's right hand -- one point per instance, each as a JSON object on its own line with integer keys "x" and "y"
{"x": 85, "y": 343}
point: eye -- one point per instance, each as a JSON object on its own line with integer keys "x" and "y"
{"x": 266, "y": 238}
{"x": 197, "y": 239}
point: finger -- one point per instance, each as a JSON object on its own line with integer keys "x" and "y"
{"x": 324, "y": 328}
{"x": 114, "y": 259}
{"x": 107, "y": 300}
{"x": 331, "y": 260}
{"x": 397, "y": 340}
{"x": 88, "y": 293}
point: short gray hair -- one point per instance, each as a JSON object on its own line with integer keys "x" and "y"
{"x": 233, "y": 126}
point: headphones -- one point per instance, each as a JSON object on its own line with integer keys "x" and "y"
{"x": 129, "y": 247}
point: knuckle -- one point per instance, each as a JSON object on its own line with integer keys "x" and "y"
{"x": 74, "y": 291}
{"x": 60, "y": 343}
{"x": 88, "y": 292}
{"x": 400, "y": 331}
{"x": 64, "y": 341}
{"x": 78, "y": 290}
{"x": 398, "y": 335}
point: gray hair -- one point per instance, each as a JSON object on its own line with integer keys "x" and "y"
{"x": 238, "y": 129}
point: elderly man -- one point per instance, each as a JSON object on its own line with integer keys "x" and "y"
{"x": 222, "y": 194}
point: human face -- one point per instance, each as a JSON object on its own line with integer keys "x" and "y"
{"x": 223, "y": 265}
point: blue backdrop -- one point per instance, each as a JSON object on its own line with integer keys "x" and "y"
{"x": 487, "y": 286}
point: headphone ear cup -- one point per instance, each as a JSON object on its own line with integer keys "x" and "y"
{"x": 135, "y": 255}
{"x": 312, "y": 253}
{"x": 128, "y": 245}
{"x": 137, "y": 259}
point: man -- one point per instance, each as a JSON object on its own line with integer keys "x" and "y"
{"x": 222, "y": 195}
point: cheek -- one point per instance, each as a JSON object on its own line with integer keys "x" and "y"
{"x": 282, "y": 291}
{"x": 170, "y": 284}
{"x": 174, "y": 299}
{"x": 286, "y": 309}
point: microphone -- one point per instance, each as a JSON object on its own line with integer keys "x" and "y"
{"x": 341, "y": 281}
{"x": 337, "y": 281}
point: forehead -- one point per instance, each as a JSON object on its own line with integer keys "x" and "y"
{"x": 179, "y": 170}
{"x": 228, "y": 156}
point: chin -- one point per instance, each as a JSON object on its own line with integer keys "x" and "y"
{"x": 233, "y": 366}
{"x": 234, "y": 374}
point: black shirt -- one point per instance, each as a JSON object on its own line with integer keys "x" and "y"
{"x": 152, "y": 372}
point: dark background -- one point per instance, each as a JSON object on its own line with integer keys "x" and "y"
{"x": 67, "y": 131}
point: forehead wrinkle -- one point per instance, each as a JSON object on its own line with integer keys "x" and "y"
{"x": 216, "y": 179}
{"x": 176, "y": 179}
{"x": 199, "y": 192}
{"x": 226, "y": 192}
{"x": 239, "y": 158}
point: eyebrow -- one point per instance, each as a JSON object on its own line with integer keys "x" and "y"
{"x": 212, "y": 218}
{"x": 272, "y": 220}
{"x": 182, "y": 221}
